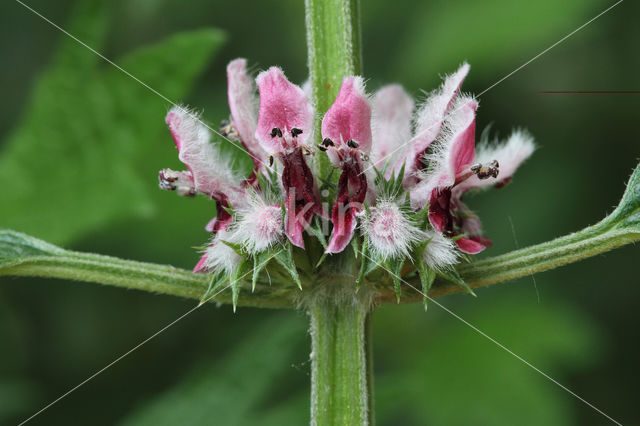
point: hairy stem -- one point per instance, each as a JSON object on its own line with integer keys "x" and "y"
{"x": 334, "y": 50}
{"x": 341, "y": 364}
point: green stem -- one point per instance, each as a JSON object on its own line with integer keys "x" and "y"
{"x": 545, "y": 256}
{"x": 341, "y": 367}
{"x": 334, "y": 49}
{"x": 22, "y": 255}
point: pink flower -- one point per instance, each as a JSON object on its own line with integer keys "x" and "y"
{"x": 285, "y": 122}
{"x": 433, "y": 145}
{"x": 346, "y": 129}
{"x": 390, "y": 232}
{"x": 454, "y": 168}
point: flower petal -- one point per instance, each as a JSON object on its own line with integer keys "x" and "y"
{"x": 212, "y": 173}
{"x": 440, "y": 210}
{"x": 462, "y": 146}
{"x": 243, "y": 104}
{"x": 391, "y": 124}
{"x": 302, "y": 200}
{"x": 352, "y": 190}
{"x": 473, "y": 245}
{"x": 259, "y": 225}
{"x": 350, "y": 116}
{"x": 283, "y": 105}
{"x": 223, "y": 218}
{"x": 429, "y": 121}
{"x": 452, "y": 155}
{"x": 509, "y": 155}
{"x": 440, "y": 251}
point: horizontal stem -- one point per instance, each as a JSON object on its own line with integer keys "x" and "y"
{"x": 570, "y": 248}
{"x": 34, "y": 257}
{"x": 155, "y": 278}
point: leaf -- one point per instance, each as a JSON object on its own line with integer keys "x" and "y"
{"x": 217, "y": 280}
{"x": 453, "y": 276}
{"x": 260, "y": 261}
{"x": 316, "y": 230}
{"x": 238, "y": 276}
{"x": 395, "y": 268}
{"x": 427, "y": 277}
{"x": 233, "y": 390}
{"x": 285, "y": 258}
{"x": 77, "y": 159}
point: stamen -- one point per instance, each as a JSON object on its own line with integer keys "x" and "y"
{"x": 485, "y": 171}
{"x": 276, "y": 132}
{"x": 271, "y": 161}
{"x": 170, "y": 180}
{"x": 295, "y": 132}
{"x": 306, "y": 150}
{"x": 328, "y": 142}
{"x": 352, "y": 144}
{"x": 321, "y": 147}
{"x": 228, "y": 130}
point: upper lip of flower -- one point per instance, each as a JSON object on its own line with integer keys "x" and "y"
{"x": 346, "y": 129}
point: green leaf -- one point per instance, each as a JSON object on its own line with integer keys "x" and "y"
{"x": 239, "y": 275}
{"x": 395, "y": 267}
{"x": 364, "y": 262}
{"x": 235, "y": 390}
{"x": 285, "y": 258}
{"x": 260, "y": 261}
{"x": 427, "y": 277}
{"x": 453, "y": 276}
{"x": 316, "y": 230}
{"x": 77, "y": 160}
{"x": 216, "y": 282}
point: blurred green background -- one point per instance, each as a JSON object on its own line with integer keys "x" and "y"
{"x": 81, "y": 144}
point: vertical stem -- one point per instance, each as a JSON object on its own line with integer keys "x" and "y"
{"x": 341, "y": 364}
{"x": 341, "y": 386}
{"x": 334, "y": 49}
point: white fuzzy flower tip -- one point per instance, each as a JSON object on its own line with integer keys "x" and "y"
{"x": 219, "y": 255}
{"x": 259, "y": 227}
{"x": 389, "y": 232}
{"x": 440, "y": 252}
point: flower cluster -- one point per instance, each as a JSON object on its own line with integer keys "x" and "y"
{"x": 400, "y": 173}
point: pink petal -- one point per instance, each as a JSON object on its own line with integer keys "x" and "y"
{"x": 454, "y": 157}
{"x": 429, "y": 121}
{"x": 462, "y": 149}
{"x": 352, "y": 190}
{"x": 440, "y": 209}
{"x": 212, "y": 174}
{"x": 344, "y": 228}
{"x": 509, "y": 155}
{"x": 201, "y": 265}
{"x": 391, "y": 125}
{"x": 243, "y": 104}
{"x": 302, "y": 200}
{"x": 282, "y": 105}
{"x": 223, "y": 217}
{"x": 473, "y": 245}
{"x": 350, "y": 116}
